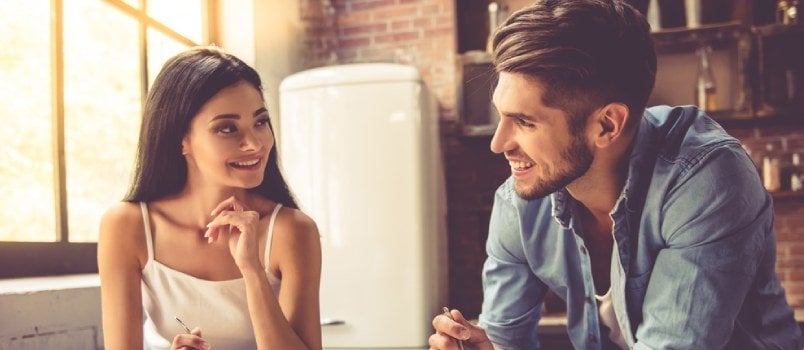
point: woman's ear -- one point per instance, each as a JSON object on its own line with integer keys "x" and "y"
{"x": 185, "y": 146}
{"x": 612, "y": 120}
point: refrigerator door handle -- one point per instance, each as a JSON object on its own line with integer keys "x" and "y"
{"x": 332, "y": 322}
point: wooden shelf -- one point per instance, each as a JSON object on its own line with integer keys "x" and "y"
{"x": 787, "y": 195}
{"x": 674, "y": 40}
{"x": 729, "y": 121}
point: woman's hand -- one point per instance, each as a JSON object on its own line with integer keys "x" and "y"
{"x": 192, "y": 341}
{"x": 237, "y": 225}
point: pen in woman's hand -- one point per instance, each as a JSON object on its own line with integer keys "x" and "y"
{"x": 449, "y": 314}
{"x": 187, "y": 329}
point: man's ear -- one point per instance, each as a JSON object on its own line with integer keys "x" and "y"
{"x": 611, "y": 121}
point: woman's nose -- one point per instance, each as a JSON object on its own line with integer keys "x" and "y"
{"x": 251, "y": 141}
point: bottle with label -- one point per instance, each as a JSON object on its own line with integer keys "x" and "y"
{"x": 796, "y": 174}
{"x": 705, "y": 87}
{"x": 787, "y": 12}
{"x": 770, "y": 170}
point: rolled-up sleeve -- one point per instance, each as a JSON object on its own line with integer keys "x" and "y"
{"x": 512, "y": 294}
{"x": 717, "y": 225}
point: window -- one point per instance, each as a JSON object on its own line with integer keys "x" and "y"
{"x": 75, "y": 75}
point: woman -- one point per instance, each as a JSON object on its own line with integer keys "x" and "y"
{"x": 208, "y": 231}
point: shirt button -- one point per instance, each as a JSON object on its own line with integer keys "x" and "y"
{"x": 592, "y": 338}
{"x": 583, "y": 250}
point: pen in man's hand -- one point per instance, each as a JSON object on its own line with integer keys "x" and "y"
{"x": 449, "y": 314}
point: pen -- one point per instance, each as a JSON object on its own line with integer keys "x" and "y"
{"x": 187, "y": 329}
{"x": 449, "y": 314}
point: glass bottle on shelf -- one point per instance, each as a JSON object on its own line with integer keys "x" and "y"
{"x": 796, "y": 174}
{"x": 705, "y": 87}
{"x": 770, "y": 170}
{"x": 787, "y": 12}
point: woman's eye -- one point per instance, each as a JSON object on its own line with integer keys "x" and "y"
{"x": 226, "y": 129}
{"x": 262, "y": 122}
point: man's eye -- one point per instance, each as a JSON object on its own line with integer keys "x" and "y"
{"x": 523, "y": 122}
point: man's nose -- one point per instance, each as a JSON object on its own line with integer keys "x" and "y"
{"x": 502, "y": 140}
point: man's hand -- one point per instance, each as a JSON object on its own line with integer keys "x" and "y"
{"x": 448, "y": 332}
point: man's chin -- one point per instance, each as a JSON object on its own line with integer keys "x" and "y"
{"x": 529, "y": 192}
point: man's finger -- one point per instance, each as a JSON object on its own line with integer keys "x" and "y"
{"x": 445, "y": 325}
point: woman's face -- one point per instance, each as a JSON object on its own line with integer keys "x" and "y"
{"x": 229, "y": 139}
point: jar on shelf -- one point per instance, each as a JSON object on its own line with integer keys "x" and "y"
{"x": 705, "y": 87}
{"x": 771, "y": 170}
{"x": 796, "y": 174}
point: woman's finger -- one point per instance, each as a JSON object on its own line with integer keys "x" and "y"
{"x": 223, "y": 205}
{"x": 189, "y": 341}
{"x": 241, "y": 220}
{"x": 196, "y": 331}
{"x": 231, "y": 203}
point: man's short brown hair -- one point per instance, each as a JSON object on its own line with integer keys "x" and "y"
{"x": 587, "y": 53}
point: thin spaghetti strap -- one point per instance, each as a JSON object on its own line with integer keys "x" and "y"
{"x": 148, "y": 237}
{"x": 271, "y": 233}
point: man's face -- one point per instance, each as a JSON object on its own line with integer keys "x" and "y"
{"x": 541, "y": 149}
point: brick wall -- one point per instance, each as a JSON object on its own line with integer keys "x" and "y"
{"x": 416, "y": 32}
{"x": 423, "y": 33}
{"x": 788, "y": 210}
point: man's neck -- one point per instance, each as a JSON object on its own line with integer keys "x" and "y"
{"x": 601, "y": 186}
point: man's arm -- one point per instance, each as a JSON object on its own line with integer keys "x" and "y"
{"x": 717, "y": 225}
{"x": 512, "y": 294}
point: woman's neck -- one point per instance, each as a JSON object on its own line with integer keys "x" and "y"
{"x": 197, "y": 202}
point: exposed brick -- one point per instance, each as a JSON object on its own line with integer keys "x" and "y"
{"x": 795, "y": 248}
{"x": 396, "y": 12}
{"x": 363, "y": 29}
{"x": 422, "y": 22}
{"x": 796, "y": 262}
{"x": 439, "y": 32}
{"x": 795, "y": 275}
{"x": 354, "y": 42}
{"x": 401, "y": 25}
{"x": 397, "y": 37}
{"x": 445, "y": 21}
{"x": 431, "y": 9}
{"x": 369, "y": 4}
{"x": 353, "y": 18}
{"x": 794, "y": 287}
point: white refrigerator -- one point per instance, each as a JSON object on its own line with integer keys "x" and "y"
{"x": 359, "y": 146}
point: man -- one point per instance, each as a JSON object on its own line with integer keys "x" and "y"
{"x": 652, "y": 224}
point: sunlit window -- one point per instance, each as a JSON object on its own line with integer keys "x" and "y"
{"x": 27, "y": 204}
{"x": 73, "y": 83}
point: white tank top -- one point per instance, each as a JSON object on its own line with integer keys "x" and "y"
{"x": 608, "y": 318}
{"x": 218, "y": 307}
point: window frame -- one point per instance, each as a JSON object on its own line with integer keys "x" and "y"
{"x": 28, "y": 259}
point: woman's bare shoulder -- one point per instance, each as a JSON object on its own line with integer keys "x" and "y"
{"x": 122, "y": 229}
{"x": 122, "y": 215}
{"x": 295, "y": 220}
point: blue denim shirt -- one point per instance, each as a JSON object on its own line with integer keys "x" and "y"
{"x": 693, "y": 264}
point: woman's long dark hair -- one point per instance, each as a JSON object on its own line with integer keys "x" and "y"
{"x": 186, "y": 82}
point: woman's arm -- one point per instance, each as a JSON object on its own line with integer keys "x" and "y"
{"x": 297, "y": 248}
{"x": 290, "y": 320}
{"x": 120, "y": 271}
